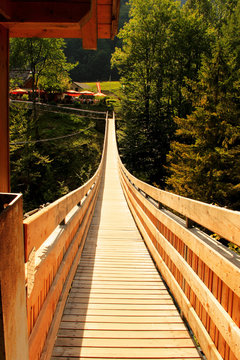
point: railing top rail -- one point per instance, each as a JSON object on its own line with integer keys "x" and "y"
{"x": 222, "y": 221}
{"x": 47, "y": 219}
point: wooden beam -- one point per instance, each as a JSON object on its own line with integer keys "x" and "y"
{"x": 12, "y": 279}
{"x": 50, "y": 11}
{"x": 43, "y": 30}
{"x": 5, "y": 9}
{"x": 86, "y": 19}
{"x": 115, "y": 17}
{"x": 4, "y": 122}
{"x": 90, "y": 30}
{"x": 104, "y": 14}
{"x": 104, "y": 31}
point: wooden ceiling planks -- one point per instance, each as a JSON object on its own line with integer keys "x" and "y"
{"x": 86, "y": 19}
{"x": 51, "y": 11}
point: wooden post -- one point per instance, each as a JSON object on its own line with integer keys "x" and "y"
{"x": 13, "y": 314}
{"x": 4, "y": 124}
{"x": 89, "y": 29}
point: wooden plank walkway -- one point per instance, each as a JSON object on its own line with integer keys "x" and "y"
{"x": 118, "y": 306}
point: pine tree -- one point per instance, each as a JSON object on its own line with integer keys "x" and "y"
{"x": 162, "y": 45}
{"x": 205, "y": 160}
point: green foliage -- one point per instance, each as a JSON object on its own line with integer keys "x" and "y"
{"x": 214, "y": 12}
{"x": 44, "y": 58}
{"x": 124, "y": 13}
{"x": 48, "y": 66}
{"x": 93, "y": 65}
{"x": 205, "y": 158}
{"x": 162, "y": 46}
{"x": 25, "y": 97}
{"x": 179, "y": 67}
{"x": 112, "y": 89}
{"x": 44, "y": 171}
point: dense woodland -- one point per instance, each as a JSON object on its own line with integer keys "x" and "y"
{"x": 46, "y": 161}
{"x": 96, "y": 65}
{"x": 179, "y": 115}
{"x": 66, "y": 155}
{"x": 180, "y": 111}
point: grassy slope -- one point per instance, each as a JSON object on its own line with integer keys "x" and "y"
{"x": 113, "y": 88}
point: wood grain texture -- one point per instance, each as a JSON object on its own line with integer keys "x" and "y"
{"x": 13, "y": 316}
{"x": 220, "y": 260}
{"x": 118, "y": 306}
{"x": 5, "y": 9}
{"x": 223, "y": 222}
{"x": 4, "y": 116}
{"x": 40, "y": 225}
{"x": 205, "y": 297}
{"x": 86, "y": 19}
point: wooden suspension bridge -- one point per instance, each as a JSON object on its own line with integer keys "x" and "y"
{"x": 116, "y": 269}
{"x": 118, "y": 306}
{"x": 112, "y": 273}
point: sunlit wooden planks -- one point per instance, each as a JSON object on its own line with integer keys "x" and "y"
{"x": 118, "y": 306}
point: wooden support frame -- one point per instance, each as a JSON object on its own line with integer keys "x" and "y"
{"x": 5, "y": 9}
{"x": 115, "y": 15}
{"x": 49, "y": 12}
{"x": 4, "y": 121}
{"x": 86, "y": 19}
{"x": 89, "y": 29}
{"x": 12, "y": 278}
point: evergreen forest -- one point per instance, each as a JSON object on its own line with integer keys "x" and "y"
{"x": 179, "y": 66}
{"x": 64, "y": 157}
{"x": 51, "y": 152}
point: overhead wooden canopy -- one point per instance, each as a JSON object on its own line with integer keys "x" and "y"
{"x": 86, "y": 19}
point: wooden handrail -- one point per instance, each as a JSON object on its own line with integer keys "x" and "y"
{"x": 203, "y": 275}
{"x": 221, "y": 221}
{"x": 13, "y": 315}
{"x": 49, "y": 278}
{"x": 40, "y": 225}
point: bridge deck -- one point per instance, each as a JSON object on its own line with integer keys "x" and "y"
{"x": 118, "y": 306}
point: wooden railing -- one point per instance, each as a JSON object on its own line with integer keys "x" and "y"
{"x": 54, "y": 238}
{"x": 13, "y": 315}
{"x": 202, "y": 275}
